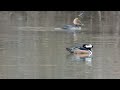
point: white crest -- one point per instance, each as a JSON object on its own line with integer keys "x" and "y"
{"x": 88, "y": 46}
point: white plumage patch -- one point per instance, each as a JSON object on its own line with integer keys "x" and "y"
{"x": 88, "y": 46}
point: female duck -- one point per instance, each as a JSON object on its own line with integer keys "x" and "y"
{"x": 85, "y": 49}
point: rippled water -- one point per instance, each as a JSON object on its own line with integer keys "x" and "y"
{"x": 35, "y": 53}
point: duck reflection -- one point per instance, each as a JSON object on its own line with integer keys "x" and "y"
{"x": 81, "y": 58}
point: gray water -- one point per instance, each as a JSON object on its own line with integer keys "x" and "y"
{"x": 28, "y": 51}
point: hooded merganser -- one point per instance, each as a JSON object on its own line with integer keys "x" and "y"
{"x": 85, "y": 49}
{"x": 71, "y": 27}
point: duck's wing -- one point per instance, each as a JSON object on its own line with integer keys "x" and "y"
{"x": 82, "y": 48}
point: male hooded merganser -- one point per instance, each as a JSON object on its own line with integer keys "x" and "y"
{"x": 85, "y": 49}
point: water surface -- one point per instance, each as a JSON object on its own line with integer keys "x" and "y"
{"x": 40, "y": 53}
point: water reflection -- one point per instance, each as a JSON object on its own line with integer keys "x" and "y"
{"x": 75, "y": 37}
{"x": 18, "y": 18}
{"x": 80, "y": 58}
{"x": 31, "y": 53}
{"x": 78, "y": 66}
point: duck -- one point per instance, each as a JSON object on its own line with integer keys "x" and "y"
{"x": 85, "y": 49}
{"x": 71, "y": 27}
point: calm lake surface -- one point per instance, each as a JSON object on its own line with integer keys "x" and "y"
{"x": 29, "y": 51}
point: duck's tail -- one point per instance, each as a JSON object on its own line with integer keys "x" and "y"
{"x": 68, "y": 49}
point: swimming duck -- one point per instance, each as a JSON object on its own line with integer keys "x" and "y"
{"x": 85, "y": 49}
{"x": 71, "y": 27}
